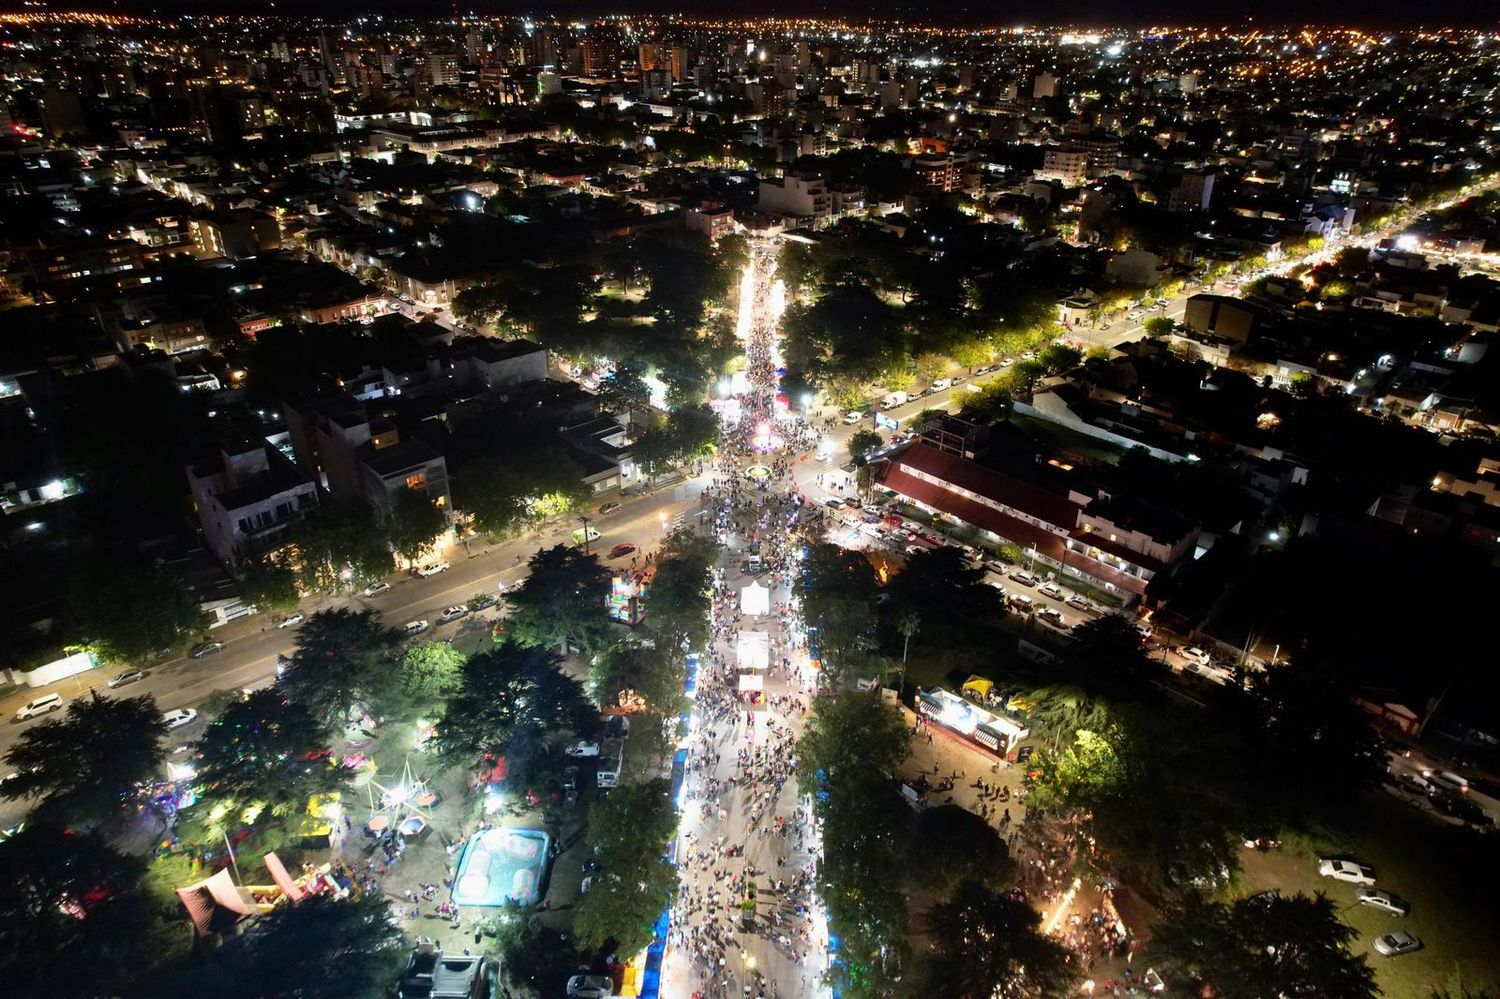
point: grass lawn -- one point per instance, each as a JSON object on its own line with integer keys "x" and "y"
{"x": 1449, "y": 876}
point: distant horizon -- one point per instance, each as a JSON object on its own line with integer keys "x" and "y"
{"x": 1381, "y": 14}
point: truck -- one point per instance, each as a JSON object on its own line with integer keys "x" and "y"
{"x": 893, "y": 399}
{"x": 611, "y": 756}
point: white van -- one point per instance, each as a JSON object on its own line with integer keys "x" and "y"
{"x": 941, "y": 384}
{"x": 41, "y": 706}
{"x": 893, "y": 399}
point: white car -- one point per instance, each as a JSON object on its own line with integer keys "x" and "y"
{"x": 1382, "y": 900}
{"x": 415, "y": 627}
{"x": 127, "y": 677}
{"x": 1051, "y": 590}
{"x": 590, "y": 987}
{"x": 1397, "y": 943}
{"x": 40, "y": 706}
{"x": 1052, "y": 617}
{"x": 453, "y": 613}
{"x": 375, "y": 589}
{"x": 1346, "y": 870}
{"x": 431, "y": 570}
{"x": 941, "y": 384}
{"x": 1079, "y": 603}
{"x": 853, "y": 416}
{"x": 582, "y": 750}
{"x": 292, "y": 620}
{"x": 179, "y": 717}
{"x": 1134, "y": 315}
{"x": 1194, "y": 655}
{"x": 1024, "y": 578}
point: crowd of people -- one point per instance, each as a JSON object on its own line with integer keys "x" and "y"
{"x": 745, "y": 918}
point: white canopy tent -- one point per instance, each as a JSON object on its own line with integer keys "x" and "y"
{"x": 755, "y": 599}
{"x": 752, "y": 682}
{"x": 754, "y": 650}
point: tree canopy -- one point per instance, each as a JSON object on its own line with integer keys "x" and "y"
{"x": 344, "y": 660}
{"x": 628, "y": 831}
{"x": 86, "y": 765}
{"x": 561, "y": 600}
{"x": 989, "y": 943}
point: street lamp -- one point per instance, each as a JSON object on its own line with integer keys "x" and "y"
{"x": 585, "y": 520}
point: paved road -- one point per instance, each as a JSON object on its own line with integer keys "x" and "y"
{"x": 252, "y": 644}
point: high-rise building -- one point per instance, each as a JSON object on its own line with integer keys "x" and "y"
{"x": 62, "y": 113}
{"x": 601, "y": 57}
{"x": 473, "y": 46}
{"x": 651, "y": 56}
{"x": 1193, "y": 193}
{"x": 443, "y": 67}
{"x": 1045, "y": 86}
{"x": 679, "y": 63}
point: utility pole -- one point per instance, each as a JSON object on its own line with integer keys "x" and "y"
{"x": 586, "y": 549}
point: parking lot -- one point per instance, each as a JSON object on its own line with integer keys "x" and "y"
{"x": 1446, "y": 873}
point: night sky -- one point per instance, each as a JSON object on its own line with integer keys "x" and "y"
{"x": 1367, "y": 13}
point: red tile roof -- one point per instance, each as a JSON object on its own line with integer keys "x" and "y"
{"x": 1012, "y": 492}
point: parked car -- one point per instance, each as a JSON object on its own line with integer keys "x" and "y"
{"x": 1346, "y": 870}
{"x": 582, "y": 750}
{"x": 590, "y": 987}
{"x": 915, "y": 549}
{"x": 376, "y": 589}
{"x": 1078, "y": 603}
{"x": 621, "y": 550}
{"x": 1194, "y": 655}
{"x": 205, "y": 649}
{"x": 570, "y": 778}
{"x": 1024, "y": 578}
{"x": 1448, "y": 780}
{"x": 1051, "y": 616}
{"x": 833, "y": 503}
{"x": 1051, "y": 590}
{"x": 609, "y": 508}
{"x": 415, "y": 627}
{"x": 1020, "y": 603}
{"x": 291, "y": 620}
{"x": 1397, "y": 943}
{"x": 1382, "y": 900}
{"x": 126, "y": 677}
{"x": 453, "y": 613}
{"x": 481, "y": 601}
{"x": 423, "y": 571}
{"x": 179, "y": 717}
{"x": 942, "y": 383}
{"x": 853, "y": 416}
{"x": 40, "y": 706}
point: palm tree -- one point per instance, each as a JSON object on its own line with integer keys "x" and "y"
{"x": 1064, "y": 709}
{"x": 908, "y": 624}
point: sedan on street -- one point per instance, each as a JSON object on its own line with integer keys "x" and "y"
{"x": 292, "y": 620}
{"x": 453, "y": 613}
{"x": 129, "y": 676}
{"x": 621, "y": 550}
{"x": 375, "y": 589}
{"x": 179, "y": 717}
{"x": 1397, "y": 943}
{"x": 1382, "y": 900}
{"x": 1347, "y": 870}
{"x": 205, "y": 649}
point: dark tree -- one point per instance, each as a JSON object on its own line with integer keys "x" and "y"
{"x": 266, "y": 749}
{"x": 989, "y": 944}
{"x": 76, "y": 920}
{"x": 951, "y": 843}
{"x": 513, "y": 491}
{"x": 561, "y": 600}
{"x": 629, "y": 832}
{"x": 340, "y": 547}
{"x": 956, "y": 606}
{"x": 345, "y": 660}
{"x": 268, "y": 584}
{"x": 412, "y": 523}
{"x": 1262, "y": 945}
{"x": 862, "y": 442}
{"x": 320, "y": 948}
{"x": 85, "y": 766}
{"x": 513, "y": 702}
{"x": 838, "y": 599}
{"x": 677, "y": 604}
{"x": 132, "y": 611}
{"x": 845, "y": 759}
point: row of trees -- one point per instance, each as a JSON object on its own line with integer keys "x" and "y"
{"x": 630, "y": 830}
{"x": 645, "y": 301}
{"x": 869, "y": 311}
